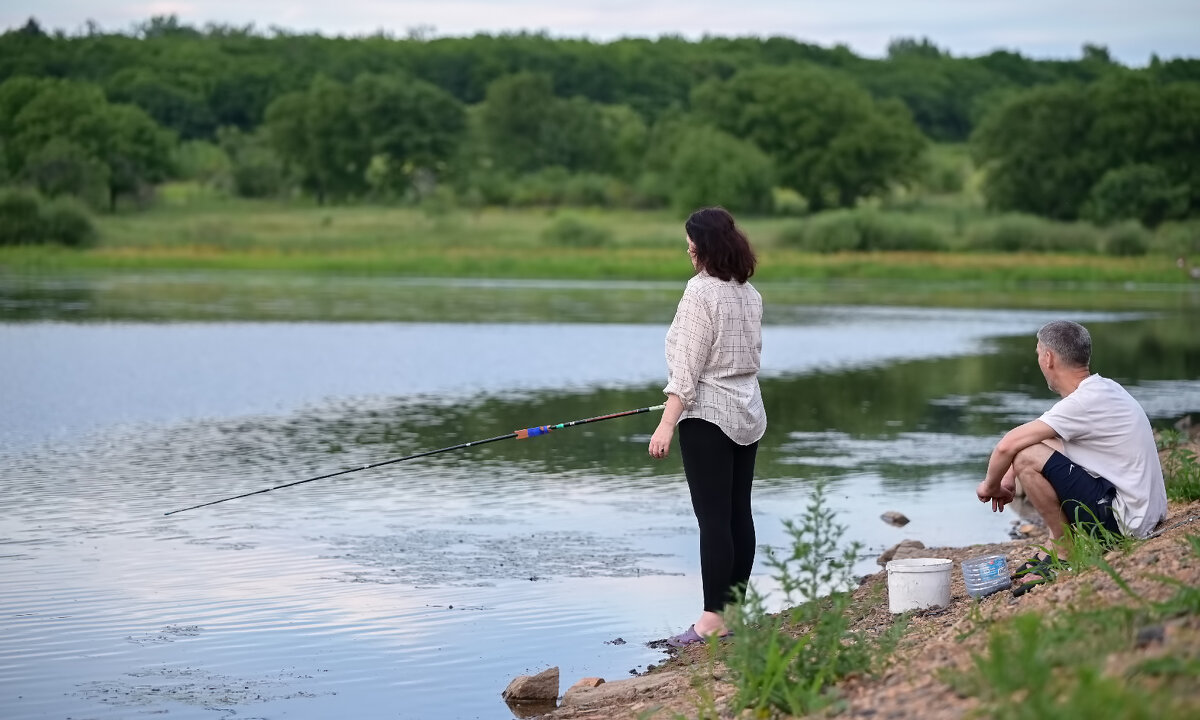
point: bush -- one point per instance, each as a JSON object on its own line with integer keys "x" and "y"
{"x": 545, "y": 188}
{"x": 715, "y": 168}
{"x": 26, "y": 218}
{"x": 203, "y": 162}
{"x": 944, "y": 169}
{"x": 863, "y": 231}
{"x": 1179, "y": 239}
{"x": 20, "y": 217}
{"x": 593, "y": 190}
{"x": 66, "y": 221}
{"x": 1127, "y": 240}
{"x": 1136, "y": 192}
{"x": 571, "y": 231}
{"x": 61, "y": 167}
{"x": 487, "y": 188}
{"x": 651, "y": 191}
{"x": 1017, "y": 233}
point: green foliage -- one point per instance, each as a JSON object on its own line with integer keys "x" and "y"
{"x": 714, "y": 168}
{"x": 65, "y": 136}
{"x": 203, "y": 162}
{"x": 62, "y": 167}
{"x": 20, "y": 217}
{"x": 863, "y": 230}
{"x": 1119, "y": 148}
{"x": 26, "y": 218}
{"x": 1178, "y": 239}
{"x": 945, "y": 169}
{"x": 828, "y": 139}
{"x": 256, "y": 171}
{"x": 572, "y": 231}
{"x": 380, "y": 132}
{"x": 789, "y": 662}
{"x": 1136, "y": 192}
{"x": 66, "y": 221}
{"x": 413, "y": 124}
{"x": 1182, "y": 471}
{"x": 178, "y": 104}
{"x": 1170, "y": 438}
{"x": 836, "y": 127}
{"x": 1127, "y": 240}
{"x": 1055, "y": 666}
{"x": 1035, "y": 154}
{"x": 526, "y": 127}
{"x": 1014, "y": 232}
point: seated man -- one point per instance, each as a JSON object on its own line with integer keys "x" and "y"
{"x": 1089, "y": 459}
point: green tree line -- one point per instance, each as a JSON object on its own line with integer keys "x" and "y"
{"x": 524, "y": 119}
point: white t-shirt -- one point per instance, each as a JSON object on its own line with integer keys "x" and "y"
{"x": 1106, "y": 431}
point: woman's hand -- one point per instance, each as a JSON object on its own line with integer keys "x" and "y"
{"x": 660, "y": 441}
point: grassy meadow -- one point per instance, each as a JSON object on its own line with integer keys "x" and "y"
{"x": 240, "y": 234}
{"x": 927, "y": 246}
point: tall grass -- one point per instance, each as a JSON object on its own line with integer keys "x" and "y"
{"x": 1182, "y": 474}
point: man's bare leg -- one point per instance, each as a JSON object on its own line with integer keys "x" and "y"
{"x": 1028, "y": 467}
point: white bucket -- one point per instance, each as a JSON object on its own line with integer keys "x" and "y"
{"x": 918, "y": 583}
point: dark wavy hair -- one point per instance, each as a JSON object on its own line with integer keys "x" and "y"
{"x": 722, "y": 249}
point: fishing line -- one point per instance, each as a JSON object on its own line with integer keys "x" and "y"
{"x": 523, "y": 434}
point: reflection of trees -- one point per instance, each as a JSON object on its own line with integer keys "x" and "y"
{"x": 873, "y": 407}
{"x": 29, "y": 301}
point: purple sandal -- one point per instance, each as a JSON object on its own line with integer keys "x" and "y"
{"x": 685, "y": 638}
{"x": 691, "y": 637}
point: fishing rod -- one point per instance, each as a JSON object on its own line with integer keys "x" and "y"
{"x": 523, "y": 434}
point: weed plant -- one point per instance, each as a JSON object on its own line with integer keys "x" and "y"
{"x": 1182, "y": 472}
{"x": 788, "y": 662}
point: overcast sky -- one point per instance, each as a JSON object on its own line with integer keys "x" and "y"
{"x": 1131, "y": 29}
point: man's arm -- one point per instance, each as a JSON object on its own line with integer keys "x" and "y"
{"x": 1013, "y": 442}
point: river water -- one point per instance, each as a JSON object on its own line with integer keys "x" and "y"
{"x": 419, "y": 589}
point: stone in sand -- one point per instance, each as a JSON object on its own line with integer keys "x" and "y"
{"x": 903, "y": 550}
{"x": 542, "y": 687}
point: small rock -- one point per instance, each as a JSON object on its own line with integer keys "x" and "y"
{"x": 590, "y": 682}
{"x": 902, "y": 550}
{"x": 892, "y": 517}
{"x": 580, "y": 687}
{"x": 1027, "y": 529}
{"x": 542, "y": 687}
{"x": 617, "y": 641}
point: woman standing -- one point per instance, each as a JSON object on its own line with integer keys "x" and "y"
{"x": 713, "y": 350}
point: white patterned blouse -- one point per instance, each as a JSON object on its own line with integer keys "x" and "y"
{"x": 713, "y": 355}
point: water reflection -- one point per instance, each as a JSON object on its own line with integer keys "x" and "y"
{"x": 428, "y": 585}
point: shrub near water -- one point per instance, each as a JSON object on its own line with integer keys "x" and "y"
{"x": 571, "y": 231}
{"x": 26, "y": 218}
{"x": 1015, "y": 232}
{"x": 863, "y": 230}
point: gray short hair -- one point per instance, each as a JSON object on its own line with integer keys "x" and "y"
{"x": 1069, "y": 340}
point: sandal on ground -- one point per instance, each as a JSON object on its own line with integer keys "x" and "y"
{"x": 1039, "y": 566}
{"x": 690, "y": 637}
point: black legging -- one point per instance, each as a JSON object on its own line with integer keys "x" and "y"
{"x": 719, "y": 474}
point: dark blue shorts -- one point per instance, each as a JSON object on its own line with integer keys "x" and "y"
{"x": 1084, "y": 497}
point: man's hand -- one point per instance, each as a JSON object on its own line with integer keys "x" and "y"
{"x": 1000, "y": 495}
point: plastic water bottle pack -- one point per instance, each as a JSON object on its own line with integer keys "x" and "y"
{"x": 986, "y": 575}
